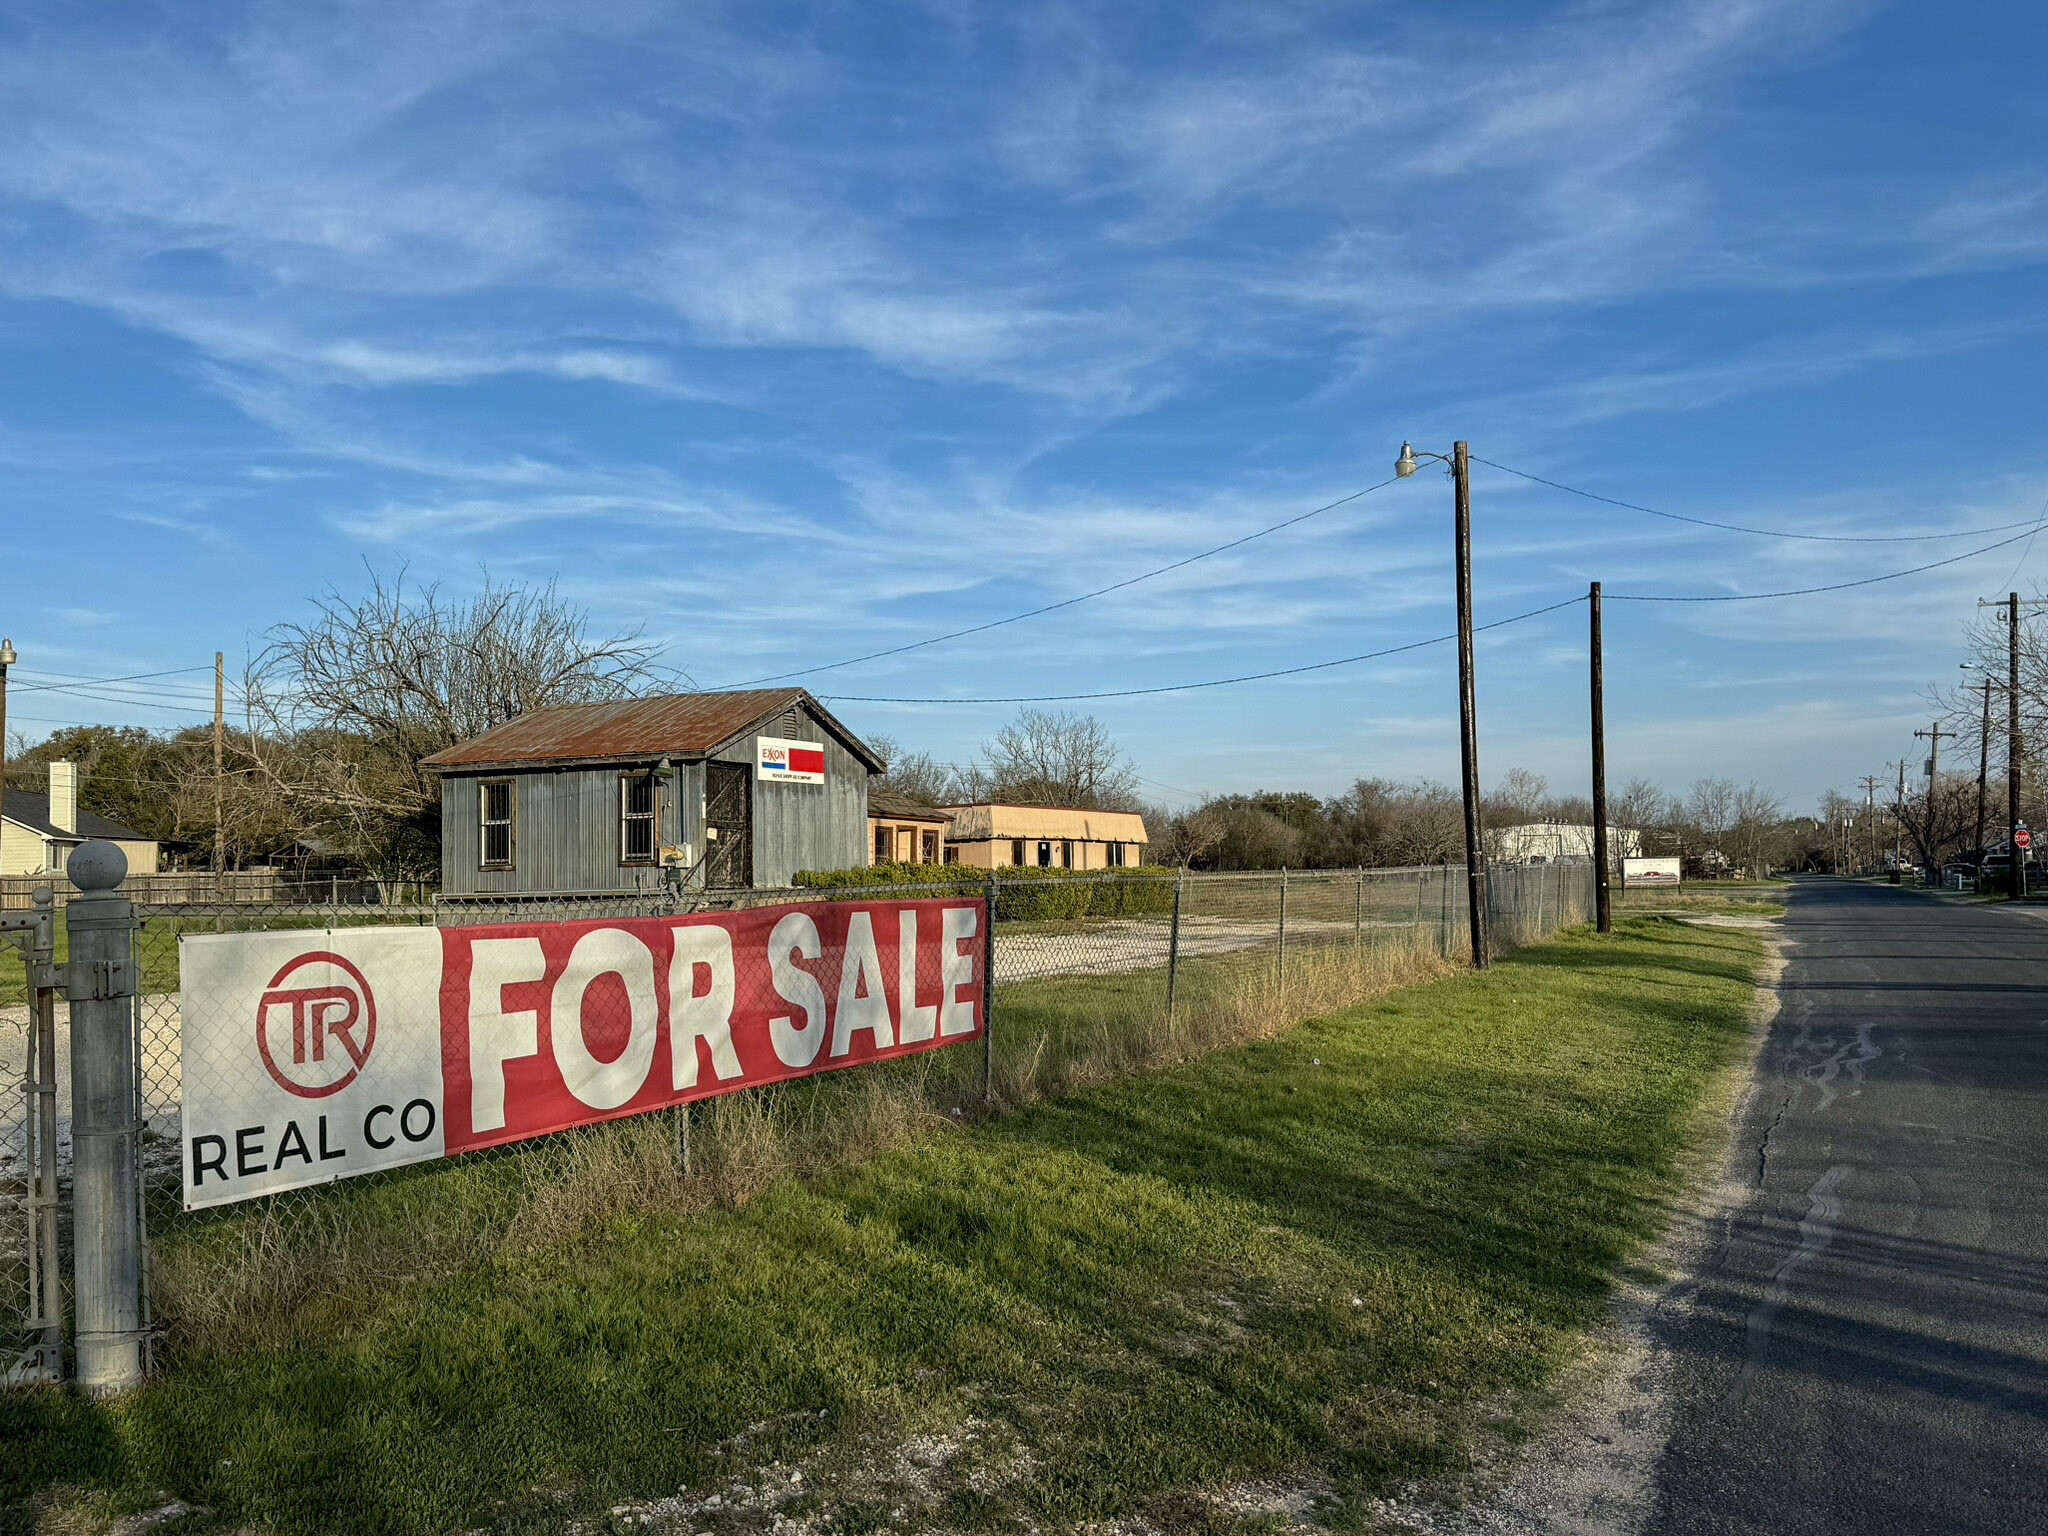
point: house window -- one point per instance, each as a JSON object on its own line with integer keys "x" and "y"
{"x": 1016, "y": 850}
{"x": 496, "y": 807}
{"x": 1113, "y": 855}
{"x": 931, "y": 847}
{"x": 638, "y": 802}
{"x": 882, "y": 836}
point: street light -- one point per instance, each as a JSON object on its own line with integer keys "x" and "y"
{"x": 1468, "y": 720}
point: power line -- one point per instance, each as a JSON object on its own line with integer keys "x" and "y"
{"x": 1067, "y": 602}
{"x": 1769, "y": 533}
{"x": 1836, "y": 586}
{"x": 1215, "y": 682}
{"x": 78, "y": 677}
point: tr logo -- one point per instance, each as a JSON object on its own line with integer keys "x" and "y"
{"x": 314, "y": 1039}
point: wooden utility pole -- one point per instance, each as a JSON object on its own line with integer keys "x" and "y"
{"x": 2012, "y": 747}
{"x": 1603, "y": 902}
{"x": 1468, "y": 712}
{"x": 1983, "y": 769}
{"x": 1899, "y": 823}
{"x": 220, "y": 835}
{"x": 1932, "y": 736}
{"x": 6, "y": 661}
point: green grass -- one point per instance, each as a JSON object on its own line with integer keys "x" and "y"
{"x": 1330, "y": 1251}
{"x": 1700, "y": 898}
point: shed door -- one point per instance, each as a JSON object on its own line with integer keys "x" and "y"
{"x": 728, "y": 826}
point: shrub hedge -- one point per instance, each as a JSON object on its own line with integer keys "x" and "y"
{"x": 1027, "y": 891}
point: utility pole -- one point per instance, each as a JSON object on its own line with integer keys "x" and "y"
{"x": 220, "y": 837}
{"x": 1869, "y": 782}
{"x": 1899, "y": 824}
{"x": 1468, "y": 714}
{"x": 2013, "y": 751}
{"x": 1932, "y": 736}
{"x": 1983, "y": 769}
{"x": 1603, "y": 899}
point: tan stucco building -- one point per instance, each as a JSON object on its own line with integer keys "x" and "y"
{"x": 900, "y": 831}
{"x": 1049, "y": 837}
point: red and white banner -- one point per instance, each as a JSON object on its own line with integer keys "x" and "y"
{"x": 313, "y": 1055}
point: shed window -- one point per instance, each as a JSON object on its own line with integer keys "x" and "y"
{"x": 1067, "y": 853}
{"x": 1016, "y": 850}
{"x": 1113, "y": 855}
{"x": 638, "y": 804}
{"x": 952, "y": 854}
{"x": 496, "y": 808}
{"x": 883, "y": 836}
{"x": 931, "y": 847}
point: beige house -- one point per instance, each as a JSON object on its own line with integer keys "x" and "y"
{"x": 900, "y": 831}
{"x": 38, "y": 832}
{"x": 1047, "y": 836}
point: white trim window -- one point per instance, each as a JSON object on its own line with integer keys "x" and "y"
{"x": 497, "y": 809}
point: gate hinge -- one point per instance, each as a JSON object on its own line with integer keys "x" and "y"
{"x": 91, "y": 980}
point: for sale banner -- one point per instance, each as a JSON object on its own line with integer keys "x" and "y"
{"x": 315, "y": 1055}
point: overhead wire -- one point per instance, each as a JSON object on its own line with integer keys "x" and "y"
{"x": 1067, "y": 602}
{"x": 1214, "y": 682}
{"x": 1833, "y": 586}
{"x": 1769, "y": 533}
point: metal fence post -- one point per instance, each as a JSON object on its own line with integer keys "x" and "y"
{"x": 35, "y": 933}
{"x": 1173, "y": 947}
{"x": 988, "y": 994}
{"x": 1358, "y": 911}
{"x": 1283, "y": 933}
{"x": 106, "y": 1261}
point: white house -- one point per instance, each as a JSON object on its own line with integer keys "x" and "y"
{"x": 1550, "y": 841}
{"x": 38, "y": 832}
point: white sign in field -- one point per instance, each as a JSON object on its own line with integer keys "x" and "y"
{"x": 313, "y": 1056}
{"x": 1662, "y": 871}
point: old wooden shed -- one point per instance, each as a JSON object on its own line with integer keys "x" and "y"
{"x": 718, "y": 791}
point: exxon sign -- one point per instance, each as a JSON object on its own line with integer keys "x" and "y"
{"x": 789, "y": 762}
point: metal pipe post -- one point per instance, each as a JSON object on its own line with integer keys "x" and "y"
{"x": 1468, "y": 712}
{"x": 1173, "y": 947}
{"x": 988, "y": 994}
{"x": 99, "y": 982}
{"x": 1283, "y": 933}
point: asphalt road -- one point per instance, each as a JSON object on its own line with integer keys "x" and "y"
{"x": 1866, "y": 1346}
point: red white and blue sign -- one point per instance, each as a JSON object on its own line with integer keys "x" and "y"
{"x": 789, "y": 762}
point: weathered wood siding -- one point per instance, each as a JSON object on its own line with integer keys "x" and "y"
{"x": 805, "y": 826}
{"x": 566, "y": 833}
{"x": 568, "y": 823}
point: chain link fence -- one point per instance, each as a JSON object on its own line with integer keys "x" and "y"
{"x": 1094, "y": 976}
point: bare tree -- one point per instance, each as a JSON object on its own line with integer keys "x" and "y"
{"x": 1710, "y": 808}
{"x": 1941, "y": 823}
{"x": 342, "y": 708}
{"x": 1518, "y": 797}
{"x": 1755, "y": 818}
{"x": 1182, "y": 839}
{"x": 1048, "y": 757}
{"x": 917, "y": 775}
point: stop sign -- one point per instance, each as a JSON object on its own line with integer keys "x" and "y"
{"x": 2023, "y": 838}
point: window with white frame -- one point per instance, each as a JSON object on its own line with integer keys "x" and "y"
{"x": 497, "y": 812}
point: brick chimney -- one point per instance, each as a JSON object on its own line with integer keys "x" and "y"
{"x": 64, "y": 797}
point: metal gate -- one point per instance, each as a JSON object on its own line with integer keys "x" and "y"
{"x": 728, "y": 826}
{"x": 31, "y": 1293}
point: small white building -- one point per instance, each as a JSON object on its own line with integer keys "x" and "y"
{"x": 1548, "y": 841}
{"x": 38, "y": 832}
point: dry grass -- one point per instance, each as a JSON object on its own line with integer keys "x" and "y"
{"x": 261, "y": 1269}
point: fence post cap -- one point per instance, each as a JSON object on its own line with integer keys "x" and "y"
{"x": 96, "y": 866}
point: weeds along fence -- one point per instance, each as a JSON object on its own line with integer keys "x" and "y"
{"x": 1094, "y": 976}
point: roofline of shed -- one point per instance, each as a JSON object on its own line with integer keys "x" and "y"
{"x": 838, "y": 728}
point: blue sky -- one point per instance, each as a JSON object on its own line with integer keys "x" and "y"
{"x": 791, "y": 331}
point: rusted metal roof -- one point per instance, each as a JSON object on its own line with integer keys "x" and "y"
{"x": 674, "y": 725}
